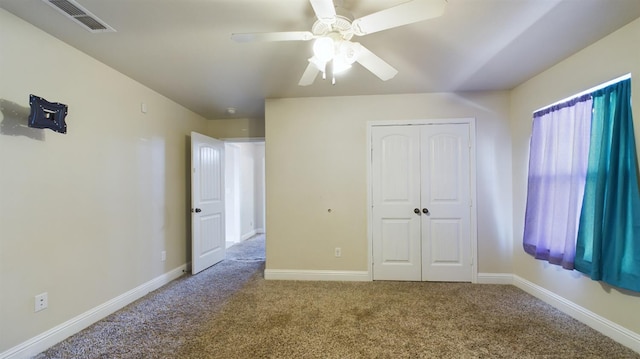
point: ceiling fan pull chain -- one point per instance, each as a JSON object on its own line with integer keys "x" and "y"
{"x": 330, "y": 71}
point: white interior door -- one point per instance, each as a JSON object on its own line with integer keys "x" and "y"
{"x": 446, "y": 245}
{"x": 396, "y": 194}
{"x": 207, "y": 202}
{"x": 420, "y": 188}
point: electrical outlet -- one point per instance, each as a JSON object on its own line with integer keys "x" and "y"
{"x": 163, "y": 256}
{"x": 338, "y": 252}
{"x": 42, "y": 301}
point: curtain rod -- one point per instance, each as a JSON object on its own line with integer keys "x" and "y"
{"x": 593, "y": 89}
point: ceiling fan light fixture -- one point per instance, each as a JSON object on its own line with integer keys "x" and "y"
{"x": 348, "y": 51}
{"x": 339, "y": 65}
{"x": 319, "y": 64}
{"x": 346, "y": 54}
{"x": 342, "y": 53}
{"x": 323, "y": 49}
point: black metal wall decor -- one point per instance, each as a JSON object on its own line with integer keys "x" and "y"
{"x": 45, "y": 114}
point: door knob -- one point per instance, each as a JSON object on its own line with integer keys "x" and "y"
{"x": 197, "y": 210}
{"x": 425, "y": 211}
{"x": 416, "y": 211}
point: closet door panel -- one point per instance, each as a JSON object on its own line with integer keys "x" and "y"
{"x": 396, "y": 193}
{"x": 445, "y": 194}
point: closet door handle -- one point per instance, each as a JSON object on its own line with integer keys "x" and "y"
{"x": 425, "y": 211}
{"x": 417, "y": 211}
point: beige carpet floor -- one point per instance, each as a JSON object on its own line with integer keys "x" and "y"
{"x": 230, "y": 311}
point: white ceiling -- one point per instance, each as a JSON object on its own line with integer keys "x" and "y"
{"x": 182, "y": 48}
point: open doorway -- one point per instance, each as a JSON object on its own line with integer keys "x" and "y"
{"x": 244, "y": 190}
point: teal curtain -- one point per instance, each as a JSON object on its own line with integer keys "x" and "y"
{"x": 608, "y": 242}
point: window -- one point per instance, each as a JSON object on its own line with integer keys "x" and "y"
{"x": 583, "y": 202}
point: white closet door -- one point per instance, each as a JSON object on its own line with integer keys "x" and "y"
{"x": 396, "y": 193}
{"x": 423, "y": 169}
{"x": 446, "y": 240}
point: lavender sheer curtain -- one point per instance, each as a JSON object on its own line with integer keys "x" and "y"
{"x": 557, "y": 171}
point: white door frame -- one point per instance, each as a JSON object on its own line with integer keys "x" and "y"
{"x": 472, "y": 166}
{"x": 232, "y": 192}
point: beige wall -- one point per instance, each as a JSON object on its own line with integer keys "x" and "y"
{"x": 236, "y": 128}
{"x": 316, "y": 152}
{"x": 607, "y": 59}
{"x": 85, "y": 215}
{"x": 259, "y": 186}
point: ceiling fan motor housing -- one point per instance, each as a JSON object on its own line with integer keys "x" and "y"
{"x": 341, "y": 25}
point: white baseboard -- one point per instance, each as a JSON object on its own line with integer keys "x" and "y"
{"x": 614, "y": 331}
{"x": 248, "y": 235}
{"x": 495, "y": 278}
{"x": 325, "y": 275}
{"x": 57, "y": 334}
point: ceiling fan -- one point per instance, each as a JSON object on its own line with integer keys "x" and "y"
{"x": 333, "y": 50}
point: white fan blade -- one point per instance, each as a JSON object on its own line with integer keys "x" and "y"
{"x": 403, "y": 14}
{"x": 309, "y": 75}
{"x": 273, "y": 36}
{"x": 325, "y": 10}
{"x": 376, "y": 65}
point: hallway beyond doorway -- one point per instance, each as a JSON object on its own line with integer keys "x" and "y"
{"x": 244, "y": 190}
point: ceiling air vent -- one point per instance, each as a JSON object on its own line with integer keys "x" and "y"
{"x": 82, "y": 16}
